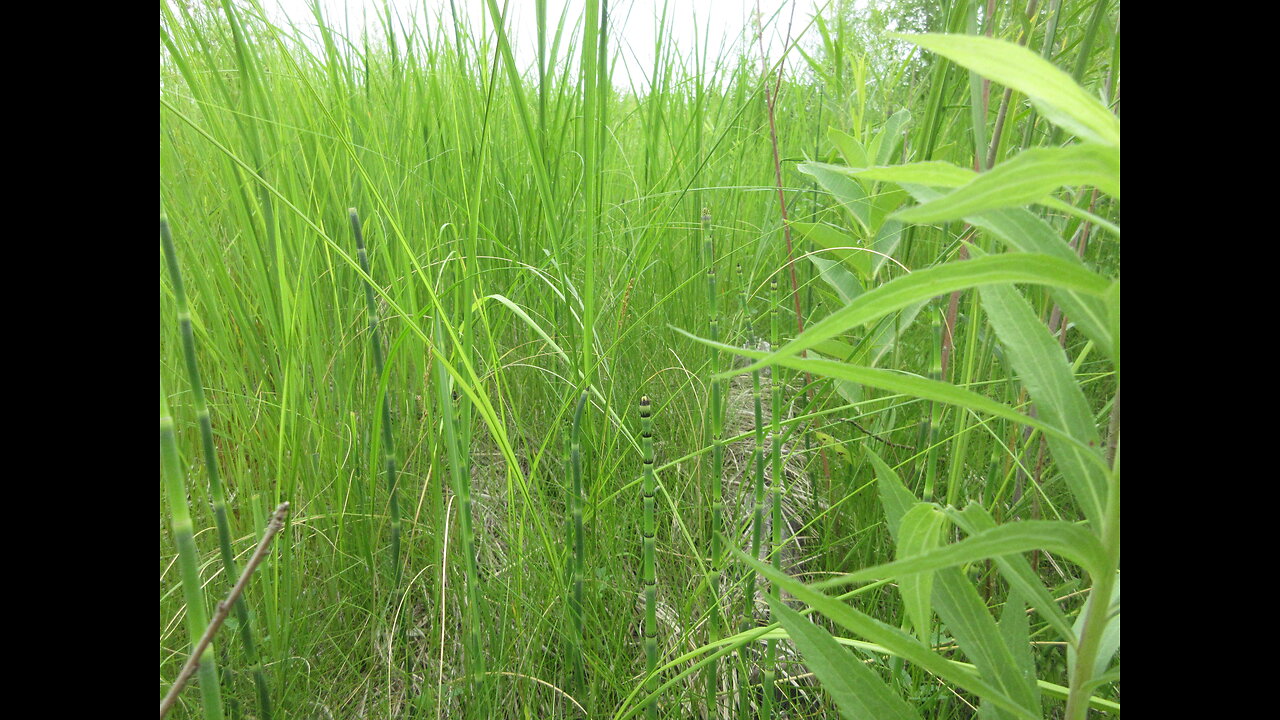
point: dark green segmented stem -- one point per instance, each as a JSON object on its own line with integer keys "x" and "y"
{"x": 935, "y": 414}
{"x": 575, "y": 606}
{"x": 757, "y": 536}
{"x": 717, "y": 468}
{"x": 188, "y": 561}
{"x": 460, "y": 479}
{"x": 388, "y": 446}
{"x": 775, "y": 435}
{"x": 216, "y": 491}
{"x": 650, "y": 576}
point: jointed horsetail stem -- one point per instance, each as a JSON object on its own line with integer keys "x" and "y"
{"x": 935, "y": 414}
{"x": 757, "y": 534}
{"x": 462, "y": 490}
{"x": 188, "y": 560}
{"x": 650, "y": 578}
{"x": 575, "y": 605}
{"x": 388, "y": 447}
{"x": 717, "y": 466}
{"x": 775, "y": 434}
{"x": 211, "y": 466}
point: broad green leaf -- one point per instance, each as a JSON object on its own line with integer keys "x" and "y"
{"x": 845, "y": 190}
{"x": 843, "y": 246}
{"x": 1113, "y": 318}
{"x": 1022, "y": 230}
{"x": 939, "y": 280}
{"x": 899, "y": 382}
{"x": 849, "y": 147}
{"x": 891, "y": 638}
{"x": 835, "y": 349}
{"x": 840, "y": 280}
{"x": 856, "y": 689}
{"x": 895, "y": 498}
{"x": 1056, "y": 536}
{"x": 1055, "y": 94}
{"x": 889, "y": 139}
{"x": 932, "y": 173}
{"x": 1042, "y": 366}
{"x": 974, "y": 519}
{"x": 1015, "y": 630}
{"x": 920, "y": 531}
{"x": 1052, "y": 690}
{"x": 967, "y": 619}
{"x": 883, "y": 203}
{"x": 1029, "y": 177}
{"x": 890, "y": 328}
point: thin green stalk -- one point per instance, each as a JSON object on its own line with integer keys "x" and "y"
{"x": 930, "y": 434}
{"x": 188, "y": 561}
{"x": 650, "y": 577}
{"x": 575, "y": 604}
{"x": 715, "y": 629}
{"x": 379, "y": 366}
{"x": 211, "y": 466}
{"x": 779, "y": 487}
{"x": 458, "y": 473}
{"x": 757, "y": 535}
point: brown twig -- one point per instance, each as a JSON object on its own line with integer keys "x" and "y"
{"x": 224, "y": 609}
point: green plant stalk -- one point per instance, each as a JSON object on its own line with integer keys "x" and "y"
{"x": 779, "y": 487}
{"x": 935, "y": 414}
{"x": 188, "y": 560}
{"x": 717, "y": 468}
{"x": 462, "y": 490}
{"x": 757, "y": 536}
{"x": 650, "y": 578}
{"x": 379, "y": 366}
{"x": 591, "y": 176}
{"x": 955, "y": 475}
{"x": 211, "y": 466}
{"x": 575, "y": 604}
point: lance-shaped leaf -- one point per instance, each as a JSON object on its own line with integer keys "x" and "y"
{"x": 850, "y": 250}
{"x": 891, "y": 638}
{"x": 1043, "y": 368}
{"x": 1055, "y": 94}
{"x": 1028, "y": 178}
{"x": 856, "y": 689}
{"x": 848, "y": 192}
{"x": 1056, "y": 536}
{"x": 1022, "y": 230}
{"x": 939, "y": 280}
{"x": 899, "y": 382}
{"x": 919, "y": 532}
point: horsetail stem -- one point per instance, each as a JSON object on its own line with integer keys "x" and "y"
{"x": 757, "y": 534}
{"x": 388, "y": 447}
{"x": 216, "y": 491}
{"x": 458, "y": 473}
{"x": 775, "y": 434}
{"x": 188, "y": 560}
{"x": 575, "y": 606}
{"x": 717, "y": 467}
{"x": 934, "y": 420}
{"x": 650, "y": 580}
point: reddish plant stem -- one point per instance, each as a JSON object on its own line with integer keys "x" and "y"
{"x": 224, "y": 608}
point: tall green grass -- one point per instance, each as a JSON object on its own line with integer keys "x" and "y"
{"x": 535, "y": 238}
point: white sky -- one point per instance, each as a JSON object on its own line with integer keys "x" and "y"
{"x": 726, "y": 25}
